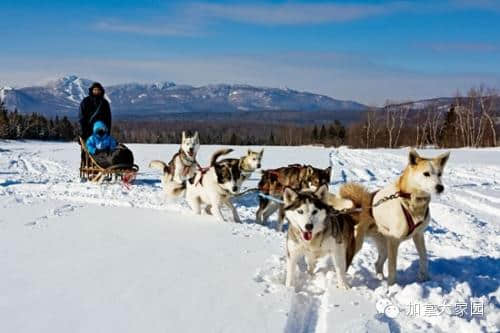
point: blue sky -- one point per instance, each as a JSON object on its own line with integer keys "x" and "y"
{"x": 367, "y": 51}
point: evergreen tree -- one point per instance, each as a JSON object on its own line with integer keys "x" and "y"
{"x": 4, "y": 122}
{"x": 448, "y": 134}
{"x": 314, "y": 134}
{"x": 233, "y": 140}
{"x": 66, "y": 130}
{"x": 322, "y": 133}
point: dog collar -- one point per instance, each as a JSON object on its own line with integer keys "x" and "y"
{"x": 404, "y": 195}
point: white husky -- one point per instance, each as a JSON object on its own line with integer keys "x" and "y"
{"x": 181, "y": 167}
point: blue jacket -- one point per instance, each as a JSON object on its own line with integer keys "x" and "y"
{"x": 100, "y": 140}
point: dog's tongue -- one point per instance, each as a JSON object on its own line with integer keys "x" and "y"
{"x": 307, "y": 235}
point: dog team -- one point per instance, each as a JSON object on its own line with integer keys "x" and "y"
{"x": 320, "y": 223}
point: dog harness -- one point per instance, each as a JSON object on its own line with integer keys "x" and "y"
{"x": 186, "y": 161}
{"x": 408, "y": 217}
{"x": 203, "y": 171}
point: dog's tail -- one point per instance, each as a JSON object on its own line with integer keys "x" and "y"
{"x": 358, "y": 194}
{"x": 361, "y": 198}
{"x": 160, "y": 165}
{"x": 218, "y": 154}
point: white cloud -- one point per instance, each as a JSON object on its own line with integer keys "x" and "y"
{"x": 296, "y": 14}
{"x": 193, "y": 19}
{"x": 172, "y": 29}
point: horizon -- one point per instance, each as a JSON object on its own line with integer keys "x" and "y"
{"x": 369, "y": 51}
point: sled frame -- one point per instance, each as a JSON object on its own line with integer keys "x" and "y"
{"x": 92, "y": 171}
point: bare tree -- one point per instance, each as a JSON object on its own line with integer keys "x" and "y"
{"x": 394, "y": 119}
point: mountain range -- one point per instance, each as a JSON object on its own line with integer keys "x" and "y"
{"x": 164, "y": 99}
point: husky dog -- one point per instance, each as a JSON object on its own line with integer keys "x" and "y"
{"x": 214, "y": 187}
{"x": 315, "y": 231}
{"x": 296, "y": 176}
{"x": 247, "y": 164}
{"x": 181, "y": 167}
{"x": 398, "y": 219}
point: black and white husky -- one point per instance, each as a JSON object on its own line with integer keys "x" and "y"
{"x": 181, "y": 167}
{"x": 247, "y": 164}
{"x": 214, "y": 187}
{"x": 316, "y": 231}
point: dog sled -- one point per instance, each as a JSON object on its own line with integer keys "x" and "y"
{"x": 91, "y": 170}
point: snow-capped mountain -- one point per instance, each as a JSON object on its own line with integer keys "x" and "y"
{"x": 62, "y": 97}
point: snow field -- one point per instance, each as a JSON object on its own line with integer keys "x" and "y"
{"x": 83, "y": 257}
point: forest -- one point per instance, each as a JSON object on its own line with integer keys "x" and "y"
{"x": 470, "y": 121}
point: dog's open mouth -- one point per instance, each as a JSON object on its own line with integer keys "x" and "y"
{"x": 307, "y": 235}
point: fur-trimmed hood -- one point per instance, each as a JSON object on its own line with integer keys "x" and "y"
{"x": 96, "y": 85}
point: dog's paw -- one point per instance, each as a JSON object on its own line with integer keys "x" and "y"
{"x": 423, "y": 276}
{"x": 380, "y": 276}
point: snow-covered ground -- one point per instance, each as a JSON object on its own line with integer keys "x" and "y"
{"x": 79, "y": 257}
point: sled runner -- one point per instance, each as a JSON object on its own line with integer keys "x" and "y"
{"x": 91, "y": 170}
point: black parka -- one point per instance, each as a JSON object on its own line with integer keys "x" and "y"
{"x": 92, "y": 109}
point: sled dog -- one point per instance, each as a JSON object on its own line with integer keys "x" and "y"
{"x": 181, "y": 167}
{"x": 401, "y": 217}
{"x": 247, "y": 164}
{"x": 296, "y": 176}
{"x": 214, "y": 187}
{"x": 315, "y": 231}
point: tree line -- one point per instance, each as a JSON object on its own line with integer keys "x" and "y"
{"x": 471, "y": 121}
{"x": 231, "y": 132}
{"x": 14, "y": 125}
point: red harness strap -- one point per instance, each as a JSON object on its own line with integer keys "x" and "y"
{"x": 128, "y": 178}
{"x": 203, "y": 171}
{"x": 185, "y": 170}
{"x": 409, "y": 220}
{"x": 404, "y": 195}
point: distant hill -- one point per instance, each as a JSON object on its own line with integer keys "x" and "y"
{"x": 166, "y": 100}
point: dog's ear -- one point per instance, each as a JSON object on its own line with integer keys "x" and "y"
{"x": 329, "y": 171}
{"x": 413, "y": 157}
{"x": 309, "y": 170}
{"x": 289, "y": 195}
{"x": 195, "y": 136}
{"x": 183, "y": 136}
{"x": 261, "y": 152}
{"x": 322, "y": 192}
{"x": 249, "y": 152}
{"x": 442, "y": 159}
